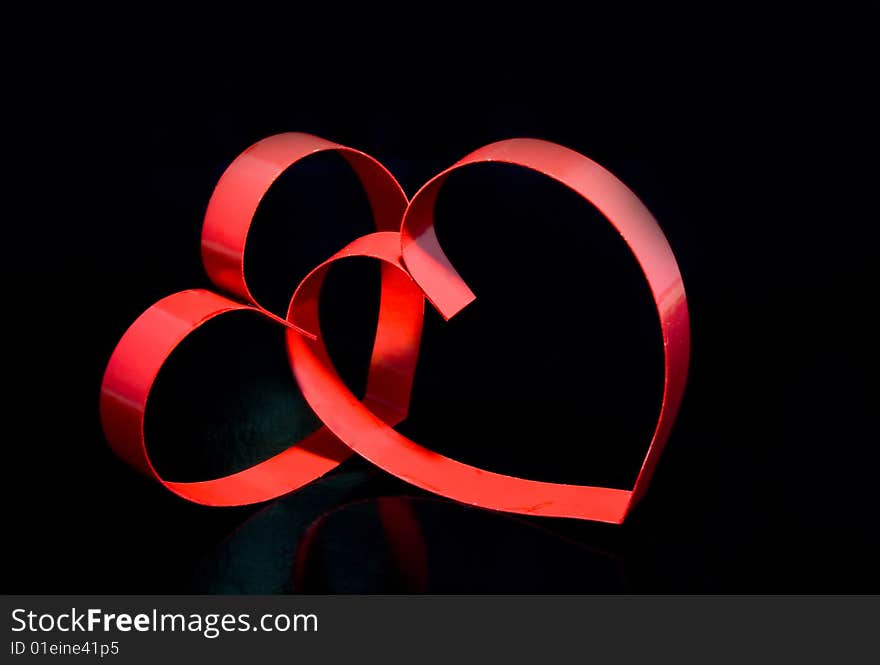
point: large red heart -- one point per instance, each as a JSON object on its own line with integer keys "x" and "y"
{"x": 413, "y": 267}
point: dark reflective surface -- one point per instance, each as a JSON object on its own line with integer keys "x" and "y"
{"x": 429, "y": 546}
{"x": 334, "y": 537}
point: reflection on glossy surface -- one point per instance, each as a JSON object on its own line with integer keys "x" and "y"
{"x": 420, "y": 544}
{"x": 257, "y": 556}
{"x": 344, "y": 534}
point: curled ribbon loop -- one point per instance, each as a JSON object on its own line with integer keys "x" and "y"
{"x": 432, "y": 270}
{"x": 143, "y": 349}
{"x": 414, "y": 267}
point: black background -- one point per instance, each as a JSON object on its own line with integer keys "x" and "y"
{"x": 747, "y": 136}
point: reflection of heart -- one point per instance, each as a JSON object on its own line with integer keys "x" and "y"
{"x": 413, "y": 267}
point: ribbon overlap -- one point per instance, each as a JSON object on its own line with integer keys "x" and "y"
{"x": 414, "y": 268}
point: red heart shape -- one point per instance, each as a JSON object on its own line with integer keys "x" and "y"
{"x": 149, "y": 341}
{"x": 413, "y": 265}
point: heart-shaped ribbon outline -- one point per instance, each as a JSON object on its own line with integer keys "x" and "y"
{"x": 414, "y": 266}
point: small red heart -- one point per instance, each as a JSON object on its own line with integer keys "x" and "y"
{"x": 149, "y": 341}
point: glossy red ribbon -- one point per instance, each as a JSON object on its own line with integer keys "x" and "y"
{"x": 414, "y": 267}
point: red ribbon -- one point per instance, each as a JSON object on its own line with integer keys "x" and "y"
{"x": 414, "y": 267}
